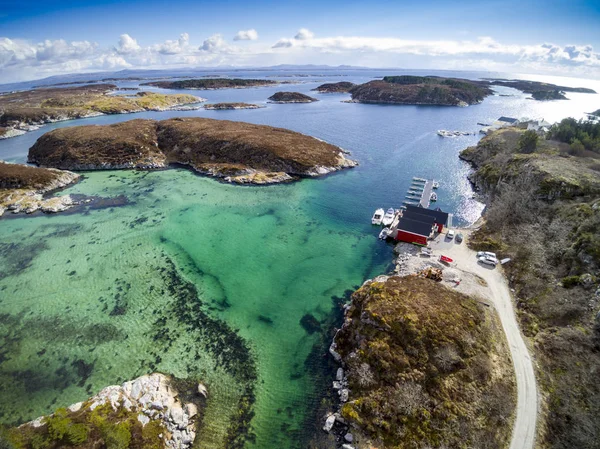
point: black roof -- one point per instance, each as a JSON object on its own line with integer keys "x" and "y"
{"x": 507, "y": 119}
{"x": 440, "y": 217}
{"x": 415, "y": 227}
{"x": 413, "y": 215}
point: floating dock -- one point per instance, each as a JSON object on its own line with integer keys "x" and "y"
{"x": 419, "y": 192}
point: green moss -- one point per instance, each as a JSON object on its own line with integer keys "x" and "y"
{"x": 570, "y": 281}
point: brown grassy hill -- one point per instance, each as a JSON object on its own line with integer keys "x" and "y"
{"x": 17, "y": 176}
{"x": 291, "y": 97}
{"x": 217, "y": 147}
{"x": 427, "y": 367}
{"x": 341, "y": 87}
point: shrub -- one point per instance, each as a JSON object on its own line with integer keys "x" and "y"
{"x": 117, "y": 436}
{"x": 570, "y": 281}
{"x": 528, "y": 142}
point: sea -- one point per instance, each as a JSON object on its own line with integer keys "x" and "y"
{"x": 238, "y": 287}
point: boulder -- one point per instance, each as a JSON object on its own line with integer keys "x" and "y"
{"x": 143, "y": 419}
{"x": 344, "y": 393}
{"x": 339, "y": 375}
{"x": 348, "y": 437}
{"x": 202, "y": 390}
{"x": 191, "y": 410}
{"x": 329, "y": 422}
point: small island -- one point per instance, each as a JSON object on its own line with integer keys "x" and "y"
{"x": 23, "y": 188}
{"x": 230, "y": 106}
{"x": 25, "y": 111}
{"x": 421, "y": 90}
{"x": 291, "y": 97}
{"x": 211, "y": 83}
{"x": 541, "y": 91}
{"x": 341, "y": 87}
{"x": 236, "y": 152}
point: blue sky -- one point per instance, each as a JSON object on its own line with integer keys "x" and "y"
{"x": 40, "y": 38}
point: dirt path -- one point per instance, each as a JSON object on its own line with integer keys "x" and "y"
{"x": 523, "y": 436}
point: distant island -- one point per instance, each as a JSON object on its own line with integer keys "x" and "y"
{"x": 341, "y": 87}
{"x": 541, "y": 91}
{"x": 291, "y": 97}
{"x": 231, "y": 106}
{"x": 421, "y": 90}
{"x": 211, "y": 83}
{"x": 236, "y": 152}
{"x": 24, "y": 111}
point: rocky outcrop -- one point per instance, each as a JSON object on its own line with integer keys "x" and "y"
{"x": 230, "y": 106}
{"x": 233, "y": 151}
{"x": 418, "y": 90}
{"x": 211, "y": 83}
{"x": 21, "y": 112}
{"x": 291, "y": 97}
{"x": 341, "y": 87}
{"x": 145, "y": 410}
{"x": 23, "y": 189}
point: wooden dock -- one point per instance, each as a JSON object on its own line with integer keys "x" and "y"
{"x": 426, "y": 195}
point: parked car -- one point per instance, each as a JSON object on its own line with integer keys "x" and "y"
{"x": 459, "y": 238}
{"x": 450, "y": 234}
{"x": 486, "y": 254}
{"x": 488, "y": 260}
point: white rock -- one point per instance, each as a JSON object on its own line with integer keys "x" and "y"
{"x": 202, "y": 390}
{"x": 348, "y": 437}
{"x": 177, "y": 414}
{"x": 75, "y": 407}
{"x": 347, "y": 446}
{"x": 344, "y": 395}
{"x": 329, "y": 423}
{"x": 337, "y": 385}
{"x": 191, "y": 409}
{"x": 143, "y": 419}
{"x": 339, "y": 375}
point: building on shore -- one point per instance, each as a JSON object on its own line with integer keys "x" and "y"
{"x": 417, "y": 224}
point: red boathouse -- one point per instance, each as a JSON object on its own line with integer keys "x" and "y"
{"x": 413, "y": 231}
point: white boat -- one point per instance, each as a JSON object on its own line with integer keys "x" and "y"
{"x": 377, "y": 217}
{"x": 385, "y": 233}
{"x": 433, "y": 196}
{"x": 388, "y": 218}
{"x": 435, "y": 184}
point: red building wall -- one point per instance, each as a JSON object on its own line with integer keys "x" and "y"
{"x": 403, "y": 236}
{"x": 440, "y": 227}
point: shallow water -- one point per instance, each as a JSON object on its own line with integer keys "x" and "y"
{"x": 210, "y": 281}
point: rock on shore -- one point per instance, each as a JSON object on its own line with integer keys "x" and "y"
{"x": 236, "y": 152}
{"x": 291, "y": 97}
{"x": 22, "y": 188}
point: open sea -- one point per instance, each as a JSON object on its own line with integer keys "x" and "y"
{"x": 185, "y": 275}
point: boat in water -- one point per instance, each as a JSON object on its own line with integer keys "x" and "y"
{"x": 446, "y": 133}
{"x": 377, "y": 217}
{"x": 435, "y": 184}
{"x": 388, "y": 218}
{"x": 385, "y": 233}
{"x": 433, "y": 196}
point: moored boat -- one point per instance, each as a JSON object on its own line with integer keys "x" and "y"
{"x": 388, "y": 218}
{"x": 433, "y": 196}
{"x": 377, "y": 217}
{"x": 385, "y": 233}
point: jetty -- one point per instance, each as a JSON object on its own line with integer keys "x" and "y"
{"x": 419, "y": 192}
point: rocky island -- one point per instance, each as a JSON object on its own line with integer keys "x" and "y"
{"x": 231, "y": 106}
{"x": 23, "y": 188}
{"x": 422, "y": 366}
{"x": 341, "y": 87}
{"x": 421, "y": 90}
{"x": 149, "y": 412}
{"x": 541, "y": 91}
{"x": 236, "y": 152}
{"x": 23, "y": 111}
{"x": 291, "y": 97}
{"x": 211, "y": 83}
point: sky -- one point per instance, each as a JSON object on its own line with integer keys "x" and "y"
{"x": 40, "y": 38}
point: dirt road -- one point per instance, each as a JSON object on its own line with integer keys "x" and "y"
{"x": 523, "y": 436}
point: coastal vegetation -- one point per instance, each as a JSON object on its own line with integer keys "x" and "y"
{"x": 582, "y": 136}
{"x": 427, "y": 367}
{"x": 211, "y": 83}
{"x": 235, "y": 151}
{"x": 341, "y": 87}
{"x": 407, "y": 89}
{"x": 291, "y": 97}
{"x": 546, "y": 95}
{"x": 20, "y": 110}
{"x": 544, "y": 213}
{"x": 230, "y": 106}
{"x": 541, "y": 91}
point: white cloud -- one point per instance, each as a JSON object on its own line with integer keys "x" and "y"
{"x": 174, "y": 47}
{"x": 127, "y": 45}
{"x": 246, "y": 35}
{"x": 304, "y": 34}
{"x": 21, "y": 59}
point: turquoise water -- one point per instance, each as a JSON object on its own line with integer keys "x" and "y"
{"x": 210, "y": 281}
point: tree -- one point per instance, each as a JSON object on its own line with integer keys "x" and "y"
{"x": 577, "y": 148}
{"x": 528, "y": 142}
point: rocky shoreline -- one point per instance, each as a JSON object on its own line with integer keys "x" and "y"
{"x": 231, "y": 106}
{"x": 150, "y": 402}
{"x": 290, "y": 97}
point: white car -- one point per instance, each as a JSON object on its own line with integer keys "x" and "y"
{"x": 486, "y": 254}
{"x": 450, "y": 234}
{"x": 488, "y": 260}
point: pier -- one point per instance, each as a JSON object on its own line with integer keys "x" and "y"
{"x": 419, "y": 192}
